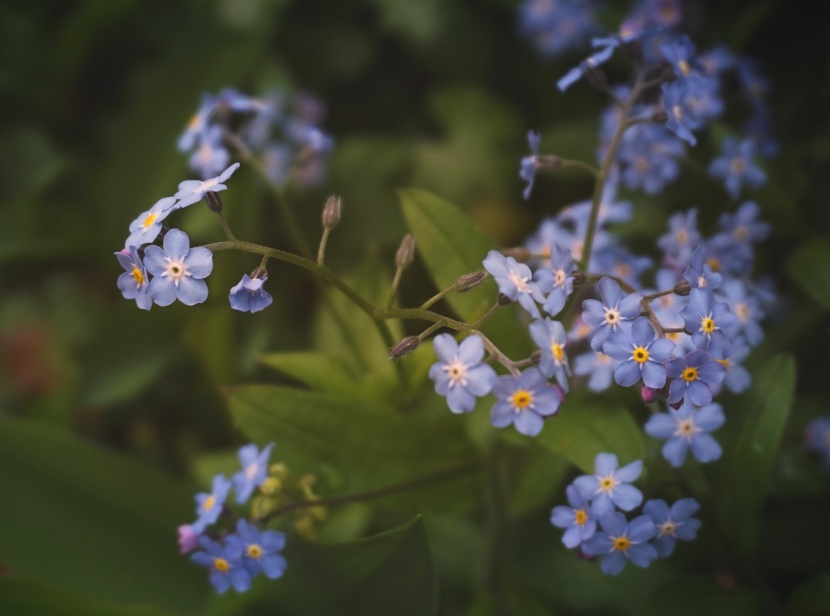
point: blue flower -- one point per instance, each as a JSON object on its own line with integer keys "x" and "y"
{"x": 707, "y": 319}
{"x": 197, "y": 123}
{"x": 178, "y": 270}
{"x": 679, "y": 51}
{"x": 555, "y": 27}
{"x": 687, "y": 428}
{"x": 578, "y": 519}
{"x": 746, "y": 309}
{"x": 740, "y": 229}
{"x": 276, "y": 161}
{"x": 610, "y": 486}
{"x": 249, "y": 296}
{"x": 641, "y": 354}
{"x": 705, "y": 101}
{"x": 556, "y": 279}
{"x": 459, "y": 374}
{"x": 254, "y": 470}
{"x": 530, "y": 164}
{"x": 672, "y": 523}
{"x": 679, "y": 243}
{"x": 308, "y": 136}
{"x": 226, "y": 569}
{"x": 549, "y": 336}
{"x": 524, "y": 401}
{"x": 134, "y": 282}
{"x": 599, "y": 366}
{"x": 735, "y": 166}
{"x": 147, "y": 226}
{"x": 619, "y": 262}
{"x": 699, "y": 274}
{"x": 257, "y": 551}
{"x": 695, "y": 375}
{"x": 191, "y": 191}
{"x": 209, "y": 504}
{"x": 621, "y": 541}
{"x": 600, "y": 57}
{"x": 817, "y": 439}
{"x": 649, "y": 154}
{"x": 737, "y": 377}
{"x": 515, "y": 281}
{"x": 613, "y": 312}
{"x": 211, "y": 156}
{"x": 681, "y": 117}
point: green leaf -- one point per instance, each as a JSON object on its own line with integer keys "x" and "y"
{"x": 808, "y": 267}
{"x": 25, "y": 596}
{"x": 692, "y": 595}
{"x": 371, "y": 446}
{"x": 388, "y": 573}
{"x": 320, "y": 371}
{"x": 750, "y": 465}
{"x": 580, "y": 432}
{"x": 80, "y": 516}
{"x": 451, "y": 245}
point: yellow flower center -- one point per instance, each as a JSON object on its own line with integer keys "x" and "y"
{"x": 681, "y": 237}
{"x": 521, "y": 399}
{"x": 254, "y": 551}
{"x": 684, "y": 68}
{"x": 673, "y": 336}
{"x": 603, "y": 359}
{"x": 640, "y": 355}
{"x": 559, "y": 277}
{"x": 137, "y": 275}
{"x": 210, "y": 501}
{"x": 641, "y": 164}
{"x": 621, "y": 544}
{"x": 689, "y": 374}
{"x": 557, "y": 352}
{"x": 707, "y": 325}
{"x": 723, "y": 362}
{"x": 581, "y": 516}
{"x": 713, "y": 263}
{"x": 148, "y": 222}
{"x": 742, "y": 312}
{"x": 221, "y": 565}
{"x": 607, "y": 484}
{"x": 251, "y": 470}
{"x": 677, "y": 110}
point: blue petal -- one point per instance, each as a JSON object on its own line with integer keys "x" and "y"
{"x": 641, "y": 529}
{"x": 654, "y": 375}
{"x": 684, "y": 508}
{"x": 154, "y": 260}
{"x": 176, "y": 244}
{"x": 191, "y": 292}
{"x": 657, "y": 509}
{"x": 273, "y": 565}
{"x": 687, "y": 531}
{"x": 501, "y": 415}
{"x": 163, "y": 291}
{"x": 471, "y": 350}
{"x": 626, "y": 497}
{"x": 642, "y": 554}
{"x": 613, "y": 564}
{"x": 630, "y": 471}
{"x": 674, "y": 450}
{"x": 705, "y": 448}
{"x": 627, "y": 373}
{"x": 618, "y": 346}
{"x": 528, "y": 423}
{"x": 445, "y": 347}
{"x": 661, "y": 425}
{"x": 664, "y": 545}
{"x": 605, "y": 464}
{"x": 709, "y": 417}
{"x": 562, "y": 517}
{"x": 642, "y": 333}
{"x": 199, "y": 262}
{"x": 572, "y": 537}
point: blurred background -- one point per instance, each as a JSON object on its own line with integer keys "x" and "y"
{"x": 435, "y": 94}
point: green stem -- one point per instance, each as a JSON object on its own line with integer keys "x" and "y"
{"x": 578, "y": 164}
{"x": 394, "y": 289}
{"x": 321, "y": 251}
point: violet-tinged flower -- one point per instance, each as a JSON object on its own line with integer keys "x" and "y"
{"x": 742, "y": 228}
{"x": 755, "y": 84}
{"x": 530, "y": 164}
{"x": 276, "y": 161}
{"x": 614, "y": 311}
{"x": 672, "y": 523}
{"x": 178, "y": 270}
{"x": 515, "y": 281}
{"x": 680, "y": 242}
{"x": 209, "y": 504}
{"x": 197, "y": 123}
{"x": 736, "y": 166}
{"x": 459, "y": 374}
{"x": 746, "y": 309}
{"x": 759, "y": 129}
{"x": 147, "y": 226}
{"x": 706, "y": 319}
{"x": 524, "y": 401}
{"x": 134, "y": 282}
{"x": 578, "y": 519}
{"x": 681, "y": 117}
{"x": 649, "y": 155}
{"x": 550, "y": 337}
{"x": 249, "y": 296}
{"x": 621, "y": 541}
{"x": 599, "y": 366}
{"x": 191, "y": 191}
{"x": 610, "y": 486}
{"x": 600, "y": 57}
{"x": 226, "y": 568}
{"x": 705, "y": 101}
{"x": 309, "y": 137}
{"x": 737, "y": 379}
{"x": 258, "y": 551}
{"x": 641, "y": 355}
{"x": 687, "y": 428}
{"x": 188, "y": 540}
{"x": 556, "y": 279}
{"x": 679, "y": 52}
{"x": 817, "y": 439}
{"x": 211, "y": 156}
{"x": 254, "y": 470}
{"x": 619, "y": 262}
{"x": 555, "y": 27}
{"x": 699, "y": 274}
{"x": 694, "y": 377}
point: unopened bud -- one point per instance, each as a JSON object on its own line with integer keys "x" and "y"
{"x": 331, "y": 212}
{"x": 503, "y": 300}
{"x": 536, "y": 357}
{"x": 271, "y": 486}
{"x": 470, "y": 281}
{"x": 649, "y": 394}
{"x": 259, "y": 272}
{"x": 278, "y": 470}
{"x": 405, "y": 346}
{"x": 549, "y": 162}
{"x": 682, "y": 288}
{"x": 660, "y": 116}
{"x": 579, "y": 278}
{"x": 406, "y": 252}
{"x": 595, "y": 77}
{"x": 214, "y": 201}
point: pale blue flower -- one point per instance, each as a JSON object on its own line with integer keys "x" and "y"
{"x": 178, "y": 270}
{"x": 515, "y": 281}
{"x": 134, "y": 283}
{"x": 687, "y": 428}
{"x": 258, "y": 551}
{"x": 249, "y": 296}
{"x": 226, "y": 568}
{"x": 621, "y": 541}
{"x": 209, "y": 504}
{"x": 191, "y": 191}
{"x": 578, "y": 519}
{"x": 550, "y": 337}
{"x": 610, "y": 486}
{"x": 672, "y": 523}
{"x": 459, "y": 374}
{"x": 147, "y": 226}
{"x": 524, "y": 401}
{"x": 254, "y": 470}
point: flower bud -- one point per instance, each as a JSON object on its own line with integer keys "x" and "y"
{"x": 279, "y": 470}
{"x": 503, "y": 300}
{"x": 682, "y": 288}
{"x": 405, "y": 346}
{"x": 536, "y": 357}
{"x": 214, "y": 201}
{"x": 470, "y": 281}
{"x": 660, "y": 116}
{"x": 649, "y": 394}
{"x": 579, "y": 278}
{"x": 271, "y": 486}
{"x": 188, "y": 540}
{"x": 406, "y": 252}
{"x": 259, "y": 272}
{"x": 331, "y": 212}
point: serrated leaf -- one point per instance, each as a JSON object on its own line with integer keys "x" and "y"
{"x": 80, "y": 516}
{"x": 388, "y": 573}
{"x": 451, "y": 245}
{"x": 320, "y": 371}
{"x": 808, "y": 267}
{"x": 750, "y": 465}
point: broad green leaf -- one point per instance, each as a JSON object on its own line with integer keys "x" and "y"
{"x": 369, "y": 446}
{"x": 320, "y": 371}
{"x": 25, "y": 596}
{"x": 540, "y": 476}
{"x": 808, "y": 267}
{"x": 451, "y": 245}
{"x": 749, "y": 467}
{"x": 85, "y": 518}
{"x": 388, "y": 573}
{"x": 692, "y": 595}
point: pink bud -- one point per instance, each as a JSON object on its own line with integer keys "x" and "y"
{"x": 649, "y": 394}
{"x": 188, "y": 540}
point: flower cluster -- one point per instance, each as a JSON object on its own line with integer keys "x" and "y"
{"x": 593, "y": 524}
{"x": 234, "y": 556}
{"x": 280, "y": 130}
{"x": 557, "y": 26}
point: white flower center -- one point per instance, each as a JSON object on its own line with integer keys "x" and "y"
{"x": 668, "y": 528}
{"x": 701, "y": 282}
{"x": 175, "y": 270}
{"x": 559, "y": 277}
{"x": 457, "y": 371}
{"x": 251, "y": 470}
{"x": 612, "y": 317}
{"x": 742, "y": 312}
{"x": 686, "y": 429}
{"x": 519, "y": 281}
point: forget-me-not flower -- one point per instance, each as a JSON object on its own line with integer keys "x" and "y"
{"x": 254, "y": 470}
{"x": 556, "y": 280}
{"x": 530, "y": 164}
{"x": 191, "y": 191}
{"x": 599, "y": 366}
{"x": 211, "y": 156}
{"x": 515, "y": 281}
{"x": 612, "y": 312}
{"x": 621, "y": 541}
{"x": 134, "y": 283}
{"x": 681, "y": 117}
{"x": 706, "y": 319}
{"x": 226, "y": 568}
{"x": 209, "y": 504}
{"x": 682, "y": 238}
{"x": 249, "y": 296}
{"x": 641, "y": 354}
{"x": 578, "y": 519}
{"x": 672, "y": 523}
{"x": 550, "y": 337}
{"x": 695, "y": 375}
{"x": 687, "y": 428}
{"x": 610, "y": 486}
{"x": 257, "y": 550}
{"x": 147, "y": 226}
{"x": 736, "y": 166}
{"x": 178, "y": 270}
{"x": 524, "y": 401}
{"x": 459, "y": 374}
{"x": 699, "y": 273}
{"x": 737, "y": 378}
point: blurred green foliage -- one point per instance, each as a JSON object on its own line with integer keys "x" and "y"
{"x": 110, "y": 417}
